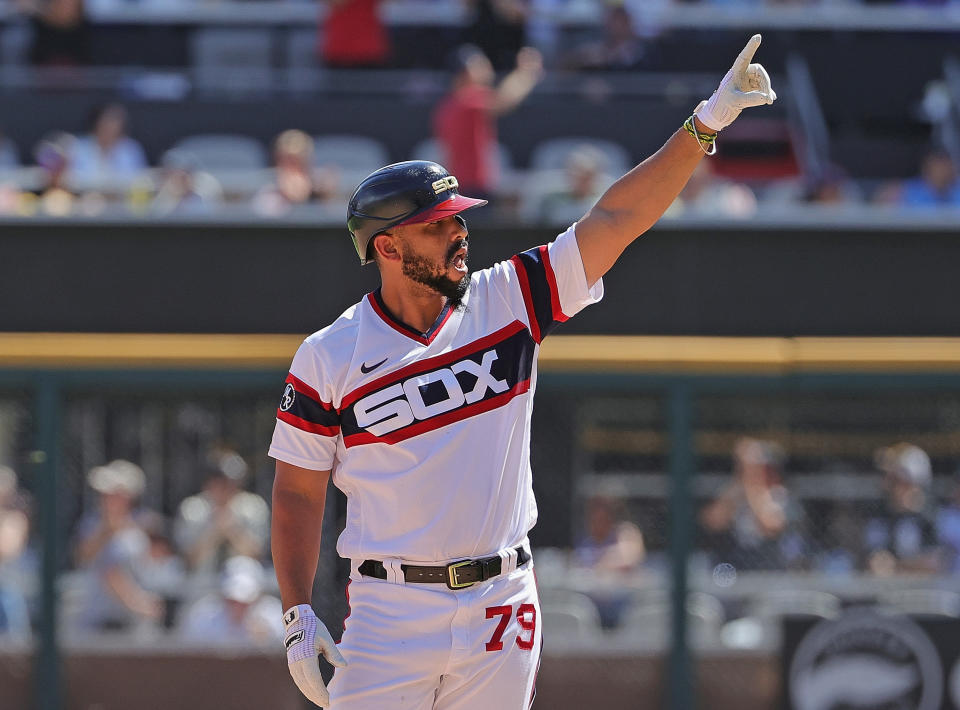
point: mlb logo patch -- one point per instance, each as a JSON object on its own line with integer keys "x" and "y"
{"x": 292, "y": 639}
{"x": 291, "y": 616}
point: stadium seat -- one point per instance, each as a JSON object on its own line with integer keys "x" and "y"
{"x": 552, "y": 154}
{"x": 569, "y": 614}
{"x": 301, "y": 49}
{"x": 304, "y": 69}
{"x": 647, "y": 623}
{"x": 15, "y": 39}
{"x": 353, "y": 156}
{"x": 350, "y": 152}
{"x": 430, "y": 149}
{"x": 776, "y": 603}
{"x": 761, "y": 627}
{"x": 232, "y": 59}
{"x": 217, "y": 152}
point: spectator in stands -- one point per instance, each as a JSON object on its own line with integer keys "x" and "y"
{"x": 499, "y": 29}
{"x": 110, "y": 548}
{"x": 709, "y": 195}
{"x": 161, "y": 570}
{"x": 15, "y": 562}
{"x": 610, "y": 546}
{"x": 901, "y": 537}
{"x": 948, "y": 529}
{"x": 839, "y": 541}
{"x": 107, "y": 154}
{"x": 239, "y": 614}
{"x": 59, "y": 29}
{"x": 354, "y": 36}
{"x": 936, "y": 186}
{"x": 296, "y": 180}
{"x": 9, "y": 155}
{"x": 223, "y": 520}
{"x": 753, "y": 523}
{"x": 54, "y": 197}
{"x": 585, "y": 182}
{"x": 184, "y": 188}
{"x": 619, "y": 48}
{"x": 832, "y": 187}
{"x": 464, "y": 122}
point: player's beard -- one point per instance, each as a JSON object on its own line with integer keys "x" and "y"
{"x": 422, "y": 270}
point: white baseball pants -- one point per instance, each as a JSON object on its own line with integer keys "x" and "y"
{"x": 426, "y": 647}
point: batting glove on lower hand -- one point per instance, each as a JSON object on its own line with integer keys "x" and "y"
{"x": 745, "y": 85}
{"x": 307, "y": 638}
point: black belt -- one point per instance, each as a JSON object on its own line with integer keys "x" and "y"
{"x": 456, "y": 575}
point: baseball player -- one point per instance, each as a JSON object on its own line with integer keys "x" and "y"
{"x": 417, "y": 402}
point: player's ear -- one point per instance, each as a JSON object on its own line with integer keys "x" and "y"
{"x": 386, "y": 247}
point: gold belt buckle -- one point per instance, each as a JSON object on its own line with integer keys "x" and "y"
{"x": 452, "y": 581}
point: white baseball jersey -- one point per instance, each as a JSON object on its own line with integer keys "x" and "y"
{"x": 428, "y": 434}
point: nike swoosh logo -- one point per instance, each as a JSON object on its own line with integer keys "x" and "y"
{"x": 364, "y": 368}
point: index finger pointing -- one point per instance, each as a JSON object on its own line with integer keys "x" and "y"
{"x": 743, "y": 59}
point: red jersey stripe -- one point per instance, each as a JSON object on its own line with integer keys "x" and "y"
{"x": 558, "y": 314}
{"x": 303, "y": 388}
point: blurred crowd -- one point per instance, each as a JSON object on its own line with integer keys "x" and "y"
{"x": 107, "y": 169}
{"x": 202, "y": 577}
{"x": 756, "y": 524}
{"x": 508, "y": 48}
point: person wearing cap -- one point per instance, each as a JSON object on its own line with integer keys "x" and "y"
{"x": 751, "y": 523}
{"x": 16, "y": 563}
{"x": 901, "y": 536}
{"x": 223, "y": 520}
{"x": 110, "y": 546}
{"x": 238, "y": 614}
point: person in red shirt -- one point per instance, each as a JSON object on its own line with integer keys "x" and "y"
{"x": 464, "y": 122}
{"x": 353, "y": 35}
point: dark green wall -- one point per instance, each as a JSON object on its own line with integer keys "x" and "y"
{"x": 266, "y": 278}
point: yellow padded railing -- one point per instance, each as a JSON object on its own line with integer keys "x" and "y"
{"x": 572, "y": 353}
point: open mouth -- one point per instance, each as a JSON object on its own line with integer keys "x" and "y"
{"x": 459, "y": 260}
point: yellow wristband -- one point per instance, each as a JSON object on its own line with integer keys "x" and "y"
{"x": 703, "y": 139}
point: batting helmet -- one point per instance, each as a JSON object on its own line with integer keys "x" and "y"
{"x": 411, "y": 192}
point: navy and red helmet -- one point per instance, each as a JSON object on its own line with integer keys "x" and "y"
{"x": 411, "y": 192}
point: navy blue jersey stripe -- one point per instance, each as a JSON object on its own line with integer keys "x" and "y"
{"x": 532, "y": 262}
{"x": 310, "y": 410}
{"x": 300, "y": 407}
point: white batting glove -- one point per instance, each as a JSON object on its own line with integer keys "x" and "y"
{"x": 745, "y": 85}
{"x": 307, "y": 638}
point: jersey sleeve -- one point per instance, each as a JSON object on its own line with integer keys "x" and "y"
{"x": 553, "y": 283}
{"x": 308, "y": 425}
